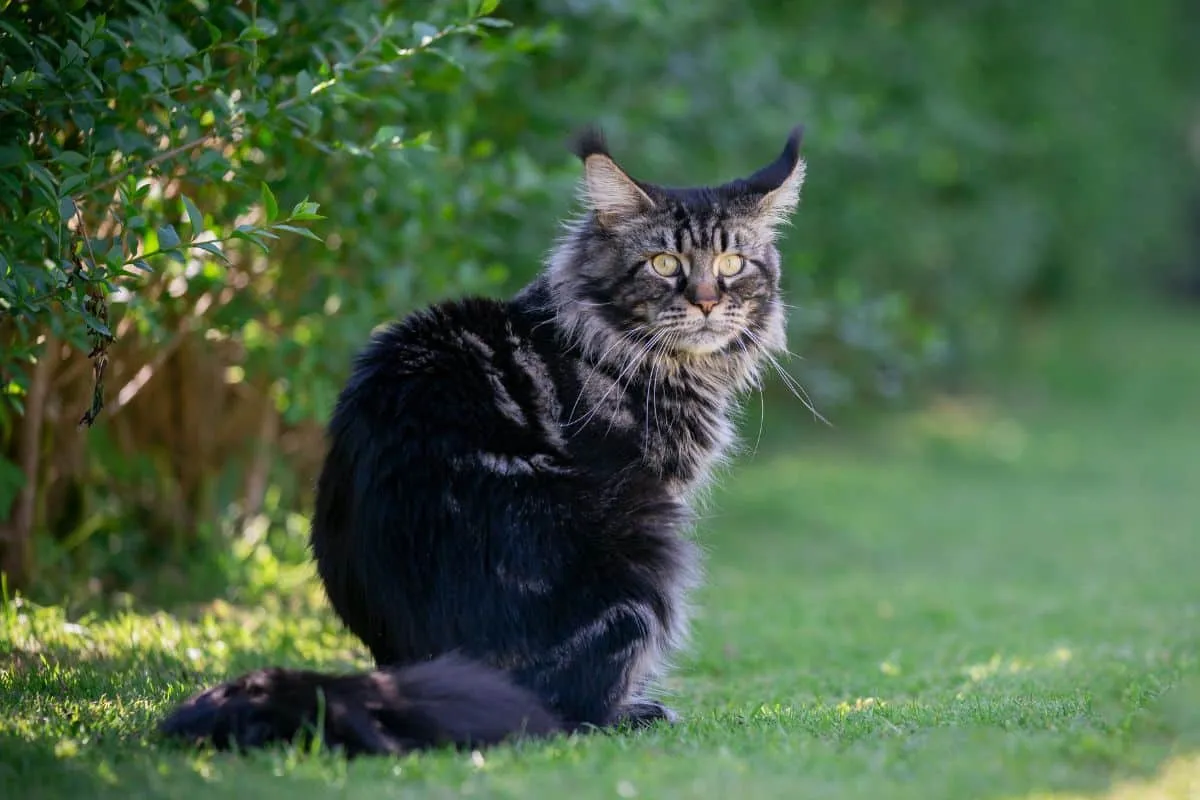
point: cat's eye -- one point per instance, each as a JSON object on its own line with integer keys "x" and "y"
{"x": 666, "y": 265}
{"x": 729, "y": 264}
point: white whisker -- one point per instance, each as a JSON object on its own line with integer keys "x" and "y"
{"x": 788, "y": 379}
{"x": 646, "y": 352}
{"x": 624, "y": 338}
{"x": 615, "y": 384}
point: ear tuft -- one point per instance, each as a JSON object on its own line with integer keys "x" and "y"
{"x": 778, "y": 183}
{"x": 607, "y": 189}
{"x": 589, "y": 141}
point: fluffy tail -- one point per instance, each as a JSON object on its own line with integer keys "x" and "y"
{"x": 447, "y": 701}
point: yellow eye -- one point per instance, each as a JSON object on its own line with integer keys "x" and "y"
{"x": 730, "y": 264}
{"x": 666, "y": 265}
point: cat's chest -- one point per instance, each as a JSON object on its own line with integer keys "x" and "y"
{"x": 673, "y": 427}
{"x": 684, "y": 447}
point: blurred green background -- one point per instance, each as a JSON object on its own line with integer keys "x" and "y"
{"x": 972, "y": 165}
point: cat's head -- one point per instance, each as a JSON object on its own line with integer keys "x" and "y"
{"x": 693, "y": 272}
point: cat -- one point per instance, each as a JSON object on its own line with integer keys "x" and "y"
{"x": 504, "y": 509}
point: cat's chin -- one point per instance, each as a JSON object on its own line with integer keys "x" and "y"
{"x": 703, "y": 343}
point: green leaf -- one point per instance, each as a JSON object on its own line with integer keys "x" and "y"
{"x": 261, "y": 29}
{"x": 305, "y": 210}
{"x": 93, "y": 322}
{"x": 167, "y": 237}
{"x": 269, "y": 203}
{"x": 41, "y": 176}
{"x": 66, "y": 208}
{"x": 195, "y": 218}
{"x": 305, "y": 232}
{"x": 19, "y": 404}
{"x": 71, "y": 158}
{"x": 388, "y": 136}
{"x": 304, "y": 84}
{"x": 248, "y": 233}
{"x": 213, "y": 249}
{"x": 72, "y": 182}
{"x": 487, "y": 6}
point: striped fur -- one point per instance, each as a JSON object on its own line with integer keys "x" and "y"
{"x": 510, "y": 485}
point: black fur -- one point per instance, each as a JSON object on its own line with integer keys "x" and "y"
{"x": 589, "y": 141}
{"x": 448, "y": 701}
{"x": 772, "y": 176}
{"x": 502, "y": 513}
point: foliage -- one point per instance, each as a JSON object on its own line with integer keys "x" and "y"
{"x": 137, "y": 213}
{"x": 1013, "y": 615}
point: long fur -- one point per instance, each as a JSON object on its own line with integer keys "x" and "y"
{"x": 503, "y": 513}
{"x": 445, "y": 702}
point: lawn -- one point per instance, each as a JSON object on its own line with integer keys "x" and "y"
{"x": 994, "y": 596}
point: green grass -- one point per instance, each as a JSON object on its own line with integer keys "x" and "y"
{"x": 996, "y": 596}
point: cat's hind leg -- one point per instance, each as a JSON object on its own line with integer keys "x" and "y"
{"x": 590, "y": 678}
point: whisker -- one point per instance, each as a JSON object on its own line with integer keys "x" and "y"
{"x": 672, "y": 339}
{"x": 762, "y": 404}
{"x": 616, "y": 383}
{"x": 649, "y": 394}
{"x": 626, "y": 337}
{"x": 789, "y": 380}
{"x": 632, "y": 371}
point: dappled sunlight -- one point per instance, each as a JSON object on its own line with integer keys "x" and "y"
{"x": 212, "y": 639}
{"x": 1000, "y": 665}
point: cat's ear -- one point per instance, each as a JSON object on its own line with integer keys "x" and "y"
{"x": 777, "y": 185}
{"x": 607, "y": 189}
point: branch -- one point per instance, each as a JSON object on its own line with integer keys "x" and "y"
{"x": 158, "y": 159}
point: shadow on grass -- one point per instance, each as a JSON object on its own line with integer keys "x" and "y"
{"x": 34, "y": 768}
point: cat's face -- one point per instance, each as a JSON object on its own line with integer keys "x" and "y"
{"x": 689, "y": 275}
{"x": 689, "y": 271}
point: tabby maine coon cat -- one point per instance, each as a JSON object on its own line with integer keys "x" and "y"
{"x": 503, "y": 511}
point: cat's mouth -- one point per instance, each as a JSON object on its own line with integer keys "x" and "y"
{"x": 697, "y": 334}
{"x": 707, "y": 337}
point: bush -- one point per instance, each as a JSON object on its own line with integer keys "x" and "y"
{"x": 138, "y": 227}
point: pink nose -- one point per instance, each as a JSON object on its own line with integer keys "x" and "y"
{"x": 707, "y": 306}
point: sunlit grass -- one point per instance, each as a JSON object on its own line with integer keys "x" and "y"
{"x": 993, "y": 596}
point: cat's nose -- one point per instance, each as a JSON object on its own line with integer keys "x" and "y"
{"x": 704, "y": 294}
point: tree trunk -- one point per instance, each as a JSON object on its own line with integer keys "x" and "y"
{"x": 16, "y": 530}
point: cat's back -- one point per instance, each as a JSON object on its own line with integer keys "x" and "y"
{"x": 434, "y": 341}
{"x": 453, "y": 374}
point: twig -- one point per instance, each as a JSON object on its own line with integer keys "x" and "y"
{"x": 87, "y": 240}
{"x": 151, "y": 162}
{"x": 99, "y": 354}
